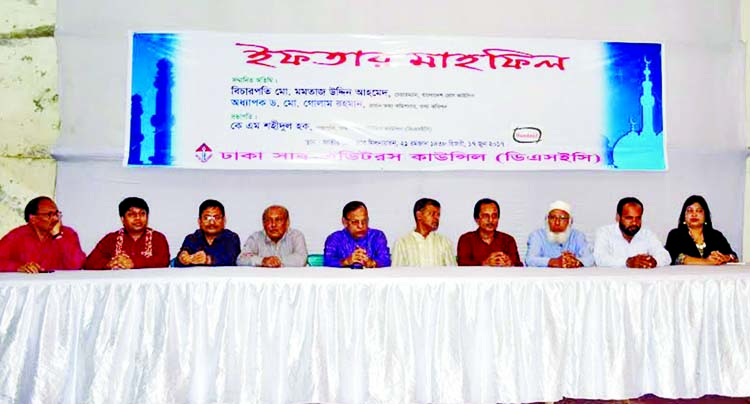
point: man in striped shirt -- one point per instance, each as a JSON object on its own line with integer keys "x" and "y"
{"x": 424, "y": 246}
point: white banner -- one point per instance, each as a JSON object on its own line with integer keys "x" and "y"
{"x": 262, "y": 101}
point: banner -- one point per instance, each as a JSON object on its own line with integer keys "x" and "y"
{"x": 348, "y": 102}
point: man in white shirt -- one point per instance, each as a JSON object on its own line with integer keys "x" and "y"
{"x": 626, "y": 243}
{"x": 276, "y": 245}
{"x": 424, "y": 246}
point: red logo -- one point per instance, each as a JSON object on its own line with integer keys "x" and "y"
{"x": 203, "y": 153}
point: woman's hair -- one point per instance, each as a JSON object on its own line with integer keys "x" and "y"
{"x": 689, "y": 201}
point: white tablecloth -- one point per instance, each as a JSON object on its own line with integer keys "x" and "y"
{"x": 442, "y": 335}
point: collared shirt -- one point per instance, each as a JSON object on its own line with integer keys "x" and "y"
{"x": 223, "y": 251}
{"x": 413, "y": 250}
{"x": 612, "y": 250}
{"x": 291, "y": 249}
{"x": 341, "y": 244}
{"x": 540, "y": 250}
{"x": 135, "y": 249}
{"x": 472, "y": 251}
{"x": 22, "y": 245}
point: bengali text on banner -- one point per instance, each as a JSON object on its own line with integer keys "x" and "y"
{"x": 347, "y": 102}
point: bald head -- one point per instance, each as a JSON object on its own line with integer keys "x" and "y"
{"x": 276, "y": 209}
{"x": 275, "y": 222}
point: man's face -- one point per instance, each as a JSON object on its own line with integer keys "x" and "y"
{"x": 630, "y": 219}
{"x": 211, "y": 221}
{"x": 357, "y": 222}
{"x": 275, "y": 223}
{"x": 46, "y": 216}
{"x": 429, "y": 217}
{"x": 135, "y": 220}
{"x": 558, "y": 220}
{"x": 488, "y": 218}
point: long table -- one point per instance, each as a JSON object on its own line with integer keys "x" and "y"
{"x": 398, "y": 335}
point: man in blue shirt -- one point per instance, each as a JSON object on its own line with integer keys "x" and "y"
{"x": 356, "y": 245}
{"x": 558, "y": 244}
{"x": 211, "y": 244}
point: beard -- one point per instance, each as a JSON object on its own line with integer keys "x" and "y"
{"x": 629, "y": 231}
{"x": 558, "y": 237}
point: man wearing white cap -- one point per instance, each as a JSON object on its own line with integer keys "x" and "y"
{"x": 558, "y": 244}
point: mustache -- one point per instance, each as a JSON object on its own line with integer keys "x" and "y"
{"x": 630, "y": 230}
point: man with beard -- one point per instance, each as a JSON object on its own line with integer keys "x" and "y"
{"x": 626, "y": 243}
{"x": 211, "y": 244}
{"x": 486, "y": 246}
{"x": 558, "y": 244}
{"x": 276, "y": 245}
{"x": 424, "y": 246}
{"x": 135, "y": 245}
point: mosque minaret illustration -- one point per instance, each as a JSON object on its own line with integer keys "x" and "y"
{"x": 644, "y": 150}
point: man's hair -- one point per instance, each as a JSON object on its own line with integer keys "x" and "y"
{"x": 265, "y": 211}
{"x": 626, "y": 200}
{"x": 209, "y": 203}
{"x": 33, "y": 206}
{"x": 352, "y": 206}
{"x": 484, "y": 201}
{"x": 423, "y": 203}
{"x": 132, "y": 202}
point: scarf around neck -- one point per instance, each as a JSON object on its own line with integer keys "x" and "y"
{"x": 147, "y": 252}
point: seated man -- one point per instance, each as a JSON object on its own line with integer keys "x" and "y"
{"x": 356, "y": 245}
{"x": 43, "y": 243}
{"x": 276, "y": 245}
{"x": 135, "y": 245}
{"x": 558, "y": 244}
{"x": 625, "y": 243}
{"x": 486, "y": 246}
{"x": 211, "y": 244}
{"x": 424, "y": 246}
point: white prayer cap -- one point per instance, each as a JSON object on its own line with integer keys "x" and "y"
{"x": 564, "y": 206}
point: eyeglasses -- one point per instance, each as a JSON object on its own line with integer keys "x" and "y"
{"x": 215, "y": 218}
{"x": 558, "y": 218}
{"x": 50, "y": 215}
{"x": 362, "y": 222}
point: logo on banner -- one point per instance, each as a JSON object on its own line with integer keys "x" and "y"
{"x": 527, "y": 134}
{"x": 203, "y": 153}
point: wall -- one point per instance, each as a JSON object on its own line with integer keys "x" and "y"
{"x": 746, "y": 41}
{"x": 29, "y": 105}
{"x": 29, "y": 110}
{"x": 703, "y": 104}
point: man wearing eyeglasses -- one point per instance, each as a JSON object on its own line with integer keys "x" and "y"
{"x": 486, "y": 246}
{"x": 135, "y": 245}
{"x": 276, "y": 245}
{"x": 558, "y": 244}
{"x": 43, "y": 244}
{"x": 356, "y": 246}
{"x": 211, "y": 244}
